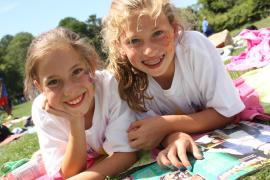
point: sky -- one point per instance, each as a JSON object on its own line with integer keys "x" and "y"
{"x": 37, "y": 16}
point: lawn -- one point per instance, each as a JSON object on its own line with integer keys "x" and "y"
{"x": 25, "y": 146}
{"x": 259, "y": 24}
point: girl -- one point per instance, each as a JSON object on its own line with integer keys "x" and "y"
{"x": 165, "y": 70}
{"x": 78, "y": 115}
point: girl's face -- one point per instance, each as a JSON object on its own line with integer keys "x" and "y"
{"x": 149, "y": 45}
{"x": 65, "y": 81}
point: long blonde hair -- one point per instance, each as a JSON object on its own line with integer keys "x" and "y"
{"x": 132, "y": 82}
{"x": 45, "y": 43}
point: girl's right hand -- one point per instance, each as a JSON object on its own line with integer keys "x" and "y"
{"x": 71, "y": 117}
{"x": 176, "y": 151}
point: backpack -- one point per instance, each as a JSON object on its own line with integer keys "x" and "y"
{"x": 4, "y": 132}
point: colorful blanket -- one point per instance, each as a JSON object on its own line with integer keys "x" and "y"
{"x": 256, "y": 55}
{"x": 254, "y": 90}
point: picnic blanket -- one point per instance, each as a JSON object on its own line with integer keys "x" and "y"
{"x": 254, "y": 90}
{"x": 257, "y": 53}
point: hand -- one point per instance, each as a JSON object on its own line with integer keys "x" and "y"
{"x": 147, "y": 133}
{"x": 72, "y": 117}
{"x": 176, "y": 152}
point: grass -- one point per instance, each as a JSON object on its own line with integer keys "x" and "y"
{"x": 259, "y": 24}
{"x": 25, "y": 146}
{"x": 22, "y": 110}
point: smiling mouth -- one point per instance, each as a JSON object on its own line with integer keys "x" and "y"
{"x": 155, "y": 62}
{"x": 76, "y": 101}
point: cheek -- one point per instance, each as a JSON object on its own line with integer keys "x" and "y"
{"x": 132, "y": 55}
{"x": 51, "y": 97}
{"x": 168, "y": 42}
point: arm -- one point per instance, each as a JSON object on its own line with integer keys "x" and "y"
{"x": 156, "y": 128}
{"x": 203, "y": 121}
{"x": 75, "y": 155}
{"x": 74, "y": 160}
{"x": 110, "y": 166}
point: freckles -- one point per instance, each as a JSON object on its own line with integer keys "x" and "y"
{"x": 167, "y": 41}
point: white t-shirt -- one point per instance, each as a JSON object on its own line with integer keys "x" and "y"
{"x": 200, "y": 81}
{"x": 108, "y": 133}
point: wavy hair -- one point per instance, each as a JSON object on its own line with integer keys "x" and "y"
{"x": 132, "y": 82}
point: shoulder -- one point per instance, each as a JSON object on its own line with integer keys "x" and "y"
{"x": 104, "y": 76}
{"x": 194, "y": 45}
{"x": 38, "y": 101}
{"x": 194, "y": 39}
{"x": 105, "y": 85}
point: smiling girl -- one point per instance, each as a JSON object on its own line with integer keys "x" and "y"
{"x": 78, "y": 114}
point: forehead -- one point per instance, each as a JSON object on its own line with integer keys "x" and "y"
{"x": 137, "y": 22}
{"x": 58, "y": 61}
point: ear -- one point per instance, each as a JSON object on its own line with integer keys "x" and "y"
{"x": 175, "y": 30}
{"x": 37, "y": 85}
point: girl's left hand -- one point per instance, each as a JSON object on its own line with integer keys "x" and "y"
{"x": 147, "y": 133}
{"x": 71, "y": 117}
{"x": 176, "y": 152}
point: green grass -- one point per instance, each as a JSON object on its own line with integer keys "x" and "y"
{"x": 22, "y": 110}
{"x": 24, "y": 147}
{"x": 259, "y": 24}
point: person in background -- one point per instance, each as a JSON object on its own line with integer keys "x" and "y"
{"x": 207, "y": 31}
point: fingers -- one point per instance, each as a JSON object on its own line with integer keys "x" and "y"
{"x": 134, "y": 125}
{"x": 195, "y": 150}
{"x": 182, "y": 154}
{"x": 173, "y": 157}
{"x": 162, "y": 159}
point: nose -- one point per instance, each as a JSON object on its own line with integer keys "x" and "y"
{"x": 68, "y": 88}
{"x": 150, "y": 49}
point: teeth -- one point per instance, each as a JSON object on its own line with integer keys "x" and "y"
{"x": 75, "y": 101}
{"x": 154, "y": 61}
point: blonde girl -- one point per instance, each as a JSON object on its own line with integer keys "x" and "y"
{"x": 163, "y": 69}
{"x": 78, "y": 114}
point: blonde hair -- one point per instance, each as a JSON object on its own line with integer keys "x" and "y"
{"x": 132, "y": 82}
{"x": 45, "y": 44}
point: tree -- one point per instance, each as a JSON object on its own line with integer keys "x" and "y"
{"x": 4, "y": 42}
{"x": 74, "y": 25}
{"x": 229, "y": 14}
{"x": 14, "y": 61}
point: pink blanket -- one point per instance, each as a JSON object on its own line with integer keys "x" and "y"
{"x": 257, "y": 53}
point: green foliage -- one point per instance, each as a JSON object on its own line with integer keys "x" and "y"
{"x": 74, "y": 25}
{"x": 229, "y": 14}
{"x": 90, "y": 29}
{"x": 14, "y": 60}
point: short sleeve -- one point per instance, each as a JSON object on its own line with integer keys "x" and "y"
{"x": 52, "y": 135}
{"x": 120, "y": 117}
{"x": 212, "y": 79}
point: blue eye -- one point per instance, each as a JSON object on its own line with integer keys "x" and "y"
{"x": 134, "y": 41}
{"x": 158, "y": 33}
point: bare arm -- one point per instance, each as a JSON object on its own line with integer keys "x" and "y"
{"x": 74, "y": 160}
{"x": 156, "y": 128}
{"x": 75, "y": 156}
{"x": 110, "y": 166}
{"x": 205, "y": 120}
